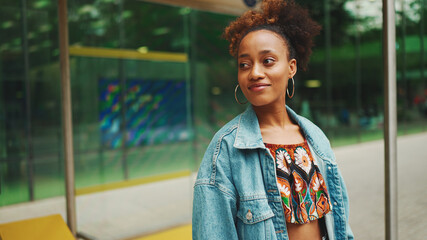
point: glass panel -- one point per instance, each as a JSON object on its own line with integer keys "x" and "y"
{"x": 132, "y": 113}
{"x": 45, "y": 141}
{"x": 214, "y": 77}
{"x": 411, "y": 78}
{"x": 14, "y": 149}
{"x": 412, "y": 113}
{"x": 31, "y": 142}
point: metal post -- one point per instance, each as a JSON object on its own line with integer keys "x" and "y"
{"x": 28, "y": 129}
{"x": 67, "y": 115}
{"x": 390, "y": 118}
{"x": 358, "y": 72}
{"x": 422, "y": 53}
{"x": 123, "y": 95}
{"x": 328, "y": 63}
{"x": 402, "y": 64}
{"x": 193, "y": 75}
{"x": 187, "y": 34}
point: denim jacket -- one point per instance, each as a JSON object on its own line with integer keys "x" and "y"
{"x": 236, "y": 194}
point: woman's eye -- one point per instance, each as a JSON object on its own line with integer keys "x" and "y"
{"x": 268, "y": 61}
{"x": 243, "y": 65}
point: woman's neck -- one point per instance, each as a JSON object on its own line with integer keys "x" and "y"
{"x": 276, "y": 125}
{"x": 273, "y": 116}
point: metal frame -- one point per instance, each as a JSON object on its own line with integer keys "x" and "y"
{"x": 67, "y": 124}
{"x": 390, "y": 120}
{"x": 28, "y": 109}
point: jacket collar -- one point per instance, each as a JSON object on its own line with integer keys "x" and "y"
{"x": 248, "y": 134}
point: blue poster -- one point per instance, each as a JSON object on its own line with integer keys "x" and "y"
{"x": 155, "y": 112}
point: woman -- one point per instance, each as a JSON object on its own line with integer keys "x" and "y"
{"x": 270, "y": 173}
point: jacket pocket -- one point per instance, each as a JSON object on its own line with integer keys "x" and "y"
{"x": 255, "y": 220}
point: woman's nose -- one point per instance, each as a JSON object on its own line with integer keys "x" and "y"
{"x": 256, "y": 72}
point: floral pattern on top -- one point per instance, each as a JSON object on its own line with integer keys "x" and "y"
{"x": 302, "y": 187}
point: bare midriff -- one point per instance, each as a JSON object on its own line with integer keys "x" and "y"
{"x": 305, "y": 231}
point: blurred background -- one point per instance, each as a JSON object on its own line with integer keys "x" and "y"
{"x": 152, "y": 81}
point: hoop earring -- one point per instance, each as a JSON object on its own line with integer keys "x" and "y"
{"x": 235, "y": 96}
{"x": 293, "y": 88}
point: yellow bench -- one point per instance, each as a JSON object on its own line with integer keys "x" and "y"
{"x": 177, "y": 233}
{"x": 50, "y": 227}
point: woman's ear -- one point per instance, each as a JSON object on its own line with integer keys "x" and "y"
{"x": 292, "y": 67}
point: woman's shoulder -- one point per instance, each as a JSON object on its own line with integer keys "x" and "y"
{"x": 215, "y": 166}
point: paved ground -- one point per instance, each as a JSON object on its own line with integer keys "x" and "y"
{"x": 119, "y": 214}
{"x": 363, "y": 168}
{"x": 133, "y": 211}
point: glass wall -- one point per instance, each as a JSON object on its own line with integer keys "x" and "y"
{"x": 132, "y": 110}
{"x": 152, "y": 83}
{"x": 31, "y": 162}
{"x": 343, "y": 89}
{"x": 411, "y": 66}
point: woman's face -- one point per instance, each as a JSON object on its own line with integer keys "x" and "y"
{"x": 264, "y": 68}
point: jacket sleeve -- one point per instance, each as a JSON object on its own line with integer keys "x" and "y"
{"x": 349, "y": 232}
{"x": 215, "y": 197}
{"x": 214, "y": 212}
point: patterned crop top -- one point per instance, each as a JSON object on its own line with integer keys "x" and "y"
{"x": 302, "y": 187}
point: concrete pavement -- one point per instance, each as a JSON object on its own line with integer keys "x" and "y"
{"x": 362, "y": 166}
{"x": 118, "y": 214}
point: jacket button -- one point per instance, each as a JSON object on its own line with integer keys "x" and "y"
{"x": 249, "y": 215}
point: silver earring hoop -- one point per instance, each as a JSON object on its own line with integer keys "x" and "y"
{"x": 235, "y": 96}
{"x": 293, "y": 88}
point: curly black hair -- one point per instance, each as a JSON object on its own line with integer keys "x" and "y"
{"x": 284, "y": 17}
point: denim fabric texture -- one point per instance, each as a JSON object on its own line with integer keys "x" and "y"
{"x": 236, "y": 194}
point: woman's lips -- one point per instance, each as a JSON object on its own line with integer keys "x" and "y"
{"x": 258, "y": 87}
